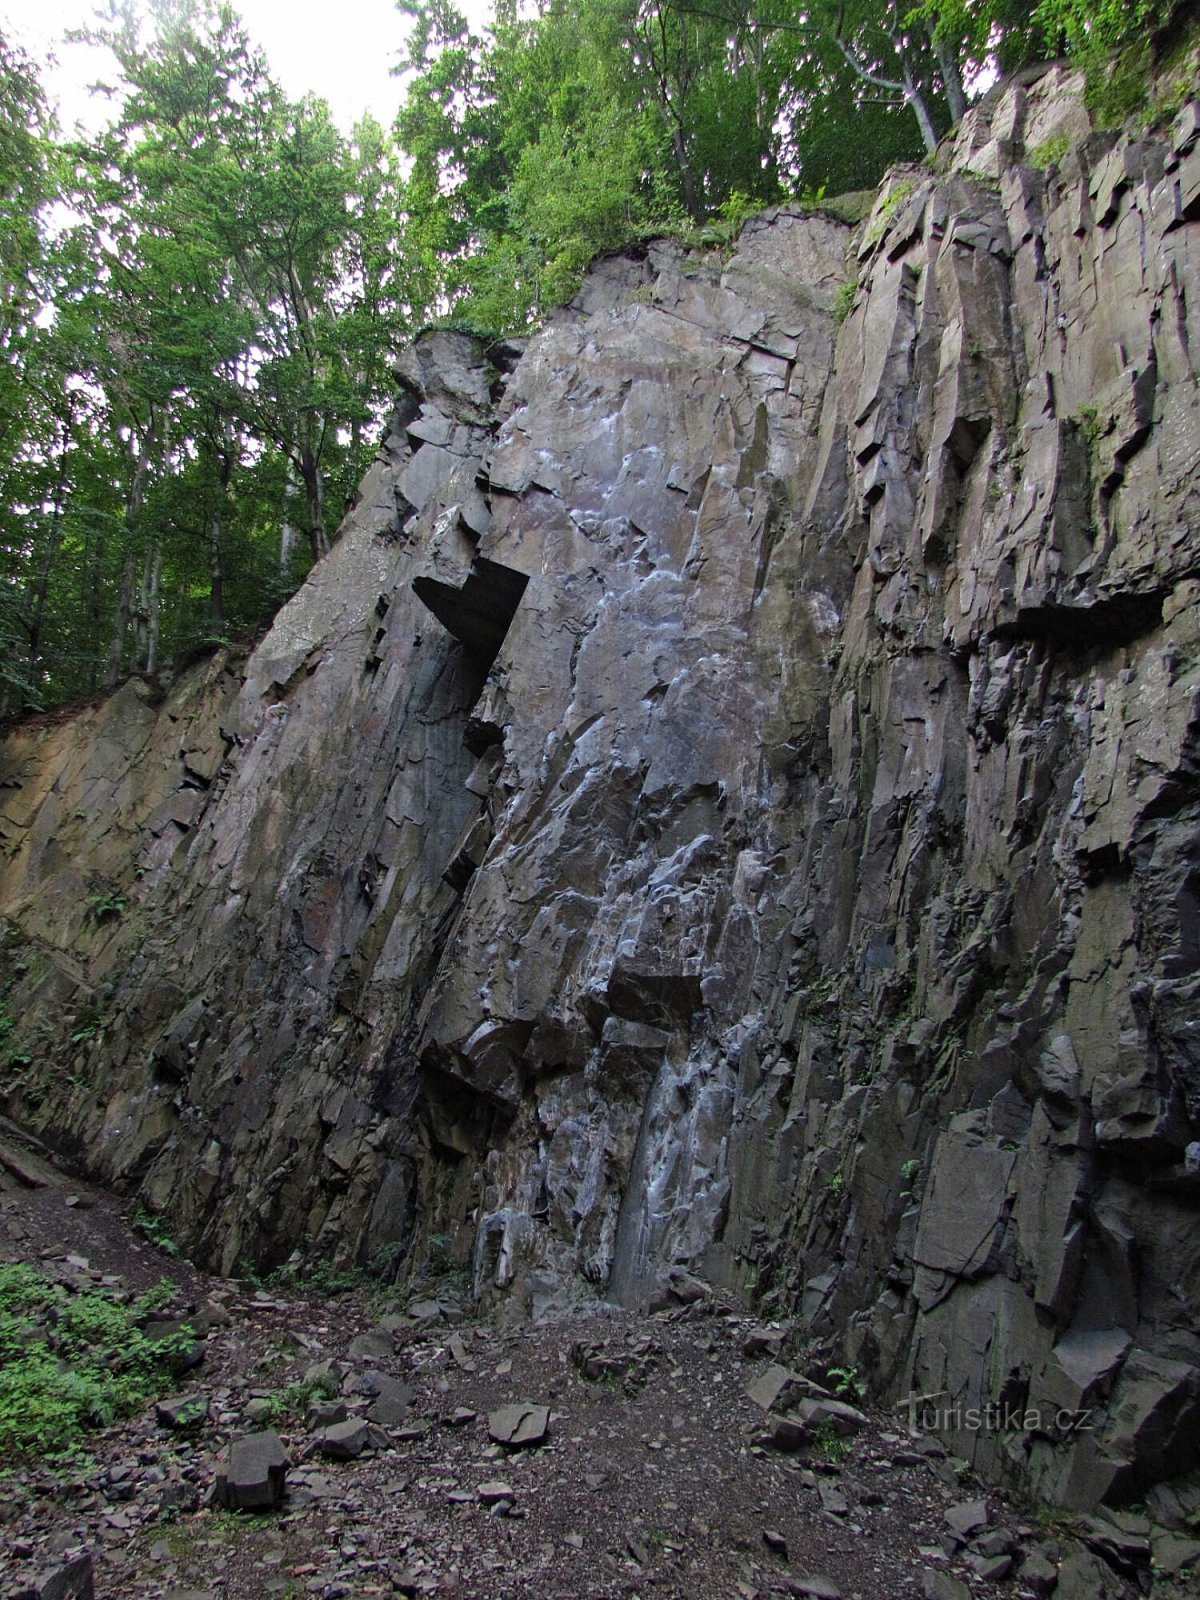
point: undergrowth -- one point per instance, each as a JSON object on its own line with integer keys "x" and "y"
{"x": 72, "y": 1362}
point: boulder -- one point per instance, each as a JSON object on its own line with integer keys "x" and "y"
{"x": 252, "y": 1473}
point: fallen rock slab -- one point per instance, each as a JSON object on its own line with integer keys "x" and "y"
{"x": 251, "y": 1478}
{"x": 814, "y": 1587}
{"x": 75, "y": 1580}
{"x": 834, "y": 1416}
{"x": 344, "y": 1441}
{"x": 493, "y": 1492}
{"x": 181, "y": 1411}
{"x": 519, "y": 1425}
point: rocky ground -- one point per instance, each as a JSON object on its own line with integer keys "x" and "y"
{"x": 653, "y": 1465}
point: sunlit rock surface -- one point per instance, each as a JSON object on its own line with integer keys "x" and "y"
{"x": 726, "y": 807}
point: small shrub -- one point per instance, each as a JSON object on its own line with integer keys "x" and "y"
{"x": 847, "y": 1384}
{"x": 70, "y": 1362}
{"x": 1050, "y": 152}
{"x": 829, "y": 1443}
{"x": 154, "y": 1229}
{"x": 899, "y": 193}
{"x": 843, "y": 300}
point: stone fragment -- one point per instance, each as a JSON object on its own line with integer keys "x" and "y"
{"x": 425, "y": 1310}
{"x": 459, "y": 1353}
{"x": 834, "y": 1416}
{"x": 990, "y": 1568}
{"x": 937, "y": 1585}
{"x": 774, "y": 1540}
{"x": 519, "y": 1425}
{"x": 967, "y": 1517}
{"x": 1173, "y": 1554}
{"x": 777, "y": 1386}
{"x": 814, "y": 1586}
{"x": 182, "y": 1411}
{"x": 833, "y": 1499}
{"x": 377, "y": 1344}
{"x": 324, "y": 1413}
{"x": 495, "y": 1490}
{"x": 785, "y": 1433}
{"x": 74, "y": 1580}
{"x": 251, "y": 1476}
{"x": 343, "y": 1441}
{"x": 1038, "y": 1573}
{"x": 392, "y": 1402}
{"x": 763, "y": 1342}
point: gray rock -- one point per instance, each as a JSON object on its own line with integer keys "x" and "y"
{"x": 991, "y": 1569}
{"x": 343, "y": 1441}
{"x": 251, "y": 1475}
{"x": 787, "y": 1434}
{"x": 937, "y": 1585}
{"x": 182, "y": 1411}
{"x": 763, "y": 1342}
{"x": 324, "y": 1413}
{"x": 776, "y": 1387}
{"x": 392, "y": 1403}
{"x": 967, "y": 1517}
{"x": 833, "y": 1499}
{"x": 519, "y": 1425}
{"x": 74, "y": 1580}
{"x": 827, "y": 908}
{"x": 495, "y": 1490}
{"x": 814, "y": 1587}
{"x": 372, "y": 1346}
{"x": 1038, "y": 1573}
{"x": 834, "y": 1416}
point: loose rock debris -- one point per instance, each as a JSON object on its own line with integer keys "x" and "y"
{"x": 327, "y": 1447}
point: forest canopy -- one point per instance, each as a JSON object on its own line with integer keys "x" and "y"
{"x": 201, "y": 303}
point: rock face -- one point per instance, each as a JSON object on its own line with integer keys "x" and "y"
{"x": 727, "y": 803}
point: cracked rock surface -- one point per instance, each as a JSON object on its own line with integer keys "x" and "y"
{"x": 772, "y": 861}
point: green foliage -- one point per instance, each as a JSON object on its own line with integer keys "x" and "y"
{"x": 319, "y": 1278}
{"x": 847, "y": 1384}
{"x": 290, "y": 1403}
{"x": 106, "y": 905}
{"x": 154, "y": 1229}
{"x": 843, "y": 300}
{"x": 1051, "y": 151}
{"x": 1096, "y": 27}
{"x": 830, "y": 1444}
{"x": 71, "y": 1362}
{"x": 887, "y": 209}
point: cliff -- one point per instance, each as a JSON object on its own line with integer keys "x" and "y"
{"x": 726, "y": 806}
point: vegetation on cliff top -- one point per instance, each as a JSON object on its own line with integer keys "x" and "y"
{"x": 198, "y": 305}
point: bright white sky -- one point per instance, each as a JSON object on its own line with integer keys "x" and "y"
{"x": 341, "y": 50}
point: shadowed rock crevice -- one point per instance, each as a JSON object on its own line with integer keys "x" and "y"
{"x": 480, "y": 613}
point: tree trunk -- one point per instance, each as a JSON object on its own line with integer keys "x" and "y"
{"x": 123, "y": 612}
{"x": 146, "y": 620}
{"x": 53, "y": 544}
{"x": 952, "y": 82}
{"x": 287, "y": 543}
{"x": 216, "y": 524}
{"x": 314, "y": 495}
{"x": 916, "y": 99}
{"x": 691, "y": 195}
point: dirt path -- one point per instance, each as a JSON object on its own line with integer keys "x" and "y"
{"x": 651, "y": 1481}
